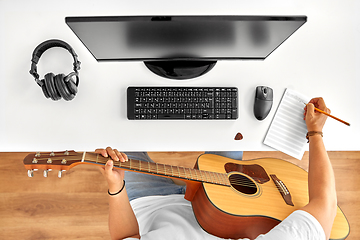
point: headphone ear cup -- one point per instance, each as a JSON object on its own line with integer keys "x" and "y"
{"x": 50, "y": 87}
{"x": 70, "y": 83}
{"x": 43, "y": 87}
{"x": 62, "y": 88}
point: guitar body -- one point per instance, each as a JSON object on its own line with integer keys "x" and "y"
{"x": 233, "y": 212}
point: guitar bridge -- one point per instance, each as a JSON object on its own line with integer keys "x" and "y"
{"x": 282, "y": 189}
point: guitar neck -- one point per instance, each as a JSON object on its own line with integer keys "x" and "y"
{"x": 162, "y": 170}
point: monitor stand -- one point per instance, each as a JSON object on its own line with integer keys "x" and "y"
{"x": 180, "y": 70}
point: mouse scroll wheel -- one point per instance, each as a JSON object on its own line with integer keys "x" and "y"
{"x": 265, "y": 91}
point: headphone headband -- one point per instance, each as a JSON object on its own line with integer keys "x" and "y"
{"x": 42, "y": 47}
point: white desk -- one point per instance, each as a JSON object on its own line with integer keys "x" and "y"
{"x": 320, "y": 59}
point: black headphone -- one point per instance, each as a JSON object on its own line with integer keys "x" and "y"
{"x": 58, "y": 86}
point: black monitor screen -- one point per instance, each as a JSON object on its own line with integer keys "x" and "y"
{"x": 183, "y": 37}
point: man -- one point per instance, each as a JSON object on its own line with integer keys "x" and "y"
{"x": 162, "y": 213}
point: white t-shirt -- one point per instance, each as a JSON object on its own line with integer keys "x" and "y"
{"x": 172, "y": 217}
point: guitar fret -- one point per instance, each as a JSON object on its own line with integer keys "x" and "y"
{"x": 132, "y": 163}
{"x": 165, "y": 168}
{"x": 213, "y": 180}
{"x": 144, "y": 166}
{"x": 160, "y": 169}
{"x": 182, "y": 172}
{"x": 199, "y": 174}
{"x": 203, "y": 176}
{"x": 220, "y": 177}
{"x": 225, "y": 179}
{"x": 125, "y": 164}
{"x": 137, "y": 165}
{"x": 153, "y": 167}
{"x": 177, "y": 173}
{"x": 217, "y": 177}
{"x": 187, "y": 173}
{"x": 168, "y": 170}
{"x": 211, "y": 177}
{"x": 178, "y": 170}
{"x": 193, "y": 174}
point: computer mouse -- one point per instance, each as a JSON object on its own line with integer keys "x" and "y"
{"x": 263, "y": 102}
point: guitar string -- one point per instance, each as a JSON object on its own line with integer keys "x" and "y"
{"x": 159, "y": 168}
{"x": 245, "y": 183}
{"x": 200, "y": 172}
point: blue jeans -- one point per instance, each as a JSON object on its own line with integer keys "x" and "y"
{"x": 142, "y": 185}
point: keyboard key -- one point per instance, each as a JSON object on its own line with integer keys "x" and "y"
{"x": 171, "y": 116}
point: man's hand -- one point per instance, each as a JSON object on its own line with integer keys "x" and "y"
{"x": 315, "y": 121}
{"x": 114, "y": 177}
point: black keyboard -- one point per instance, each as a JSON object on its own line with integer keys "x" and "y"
{"x": 148, "y": 103}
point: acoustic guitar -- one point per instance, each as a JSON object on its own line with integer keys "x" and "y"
{"x": 230, "y": 198}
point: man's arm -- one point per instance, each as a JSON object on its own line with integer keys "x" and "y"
{"x": 322, "y": 193}
{"x": 122, "y": 220}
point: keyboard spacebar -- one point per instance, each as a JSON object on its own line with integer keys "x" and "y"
{"x": 171, "y": 116}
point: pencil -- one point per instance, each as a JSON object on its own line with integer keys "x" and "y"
{"x": 321, "y": 111}
{"x": 327, "y": 114}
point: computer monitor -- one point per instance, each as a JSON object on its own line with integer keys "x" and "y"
{"x": 183, "y": 47}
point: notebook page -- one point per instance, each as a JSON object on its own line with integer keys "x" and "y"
{"x": 287, "y": 131}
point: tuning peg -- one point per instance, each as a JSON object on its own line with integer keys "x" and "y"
{"x": 60, "y": 173}
{"x": 46, "y": 172}
{"x": 30, "y": 173}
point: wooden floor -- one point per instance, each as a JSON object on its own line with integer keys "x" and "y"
{"x": 76, "y": 206}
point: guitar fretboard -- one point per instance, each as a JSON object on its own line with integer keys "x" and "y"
{"x": 164, "y": 170}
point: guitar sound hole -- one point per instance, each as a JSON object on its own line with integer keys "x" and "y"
{"x": 242, "y": 184}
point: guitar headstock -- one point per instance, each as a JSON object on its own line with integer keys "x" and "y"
{"x": 49, "y": 161}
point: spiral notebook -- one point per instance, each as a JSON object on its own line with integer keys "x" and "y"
{"x": 287, "y": 131}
